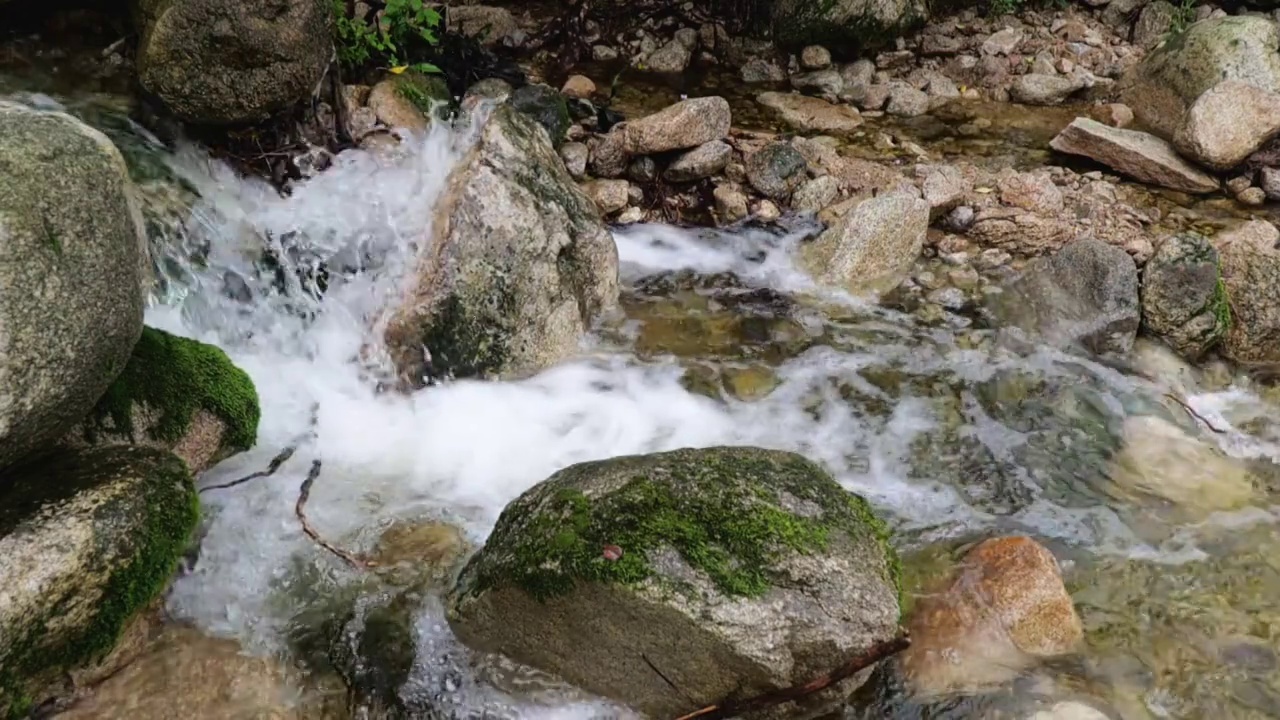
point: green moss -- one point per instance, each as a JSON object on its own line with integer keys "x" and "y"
{"x": 426, "y": 93}
{"x": 723, "y": 510}
{"x": 467, "y": 337}
{"x": 178, "y": 377}
{"x": 165, "y": 497}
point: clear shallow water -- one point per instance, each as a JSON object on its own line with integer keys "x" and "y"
{"x": 948, "y": 432}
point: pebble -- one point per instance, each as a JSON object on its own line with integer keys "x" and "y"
{"x": 960, "y": 219}
{"x": 575, "y": 155}
{"x": 815, "y": 57}
{"x": 630, "y": 216}
{"x": 948, "y": 297}
{"x": 992, "y": 258}
{"x": 731, "y": 204}
{"x": 767, "y": 211}
{"x": 579, "y": 87}
{"x": 955, "y": 258}
{"x": 1252, "y": 196}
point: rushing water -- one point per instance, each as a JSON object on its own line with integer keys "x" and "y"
{"x": 948, "y": 430}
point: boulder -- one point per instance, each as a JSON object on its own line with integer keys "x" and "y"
{"x": 1228, "y": 123}
{"x": 578, "y": 87}
{"x": 815, "y": 57}
{"x": 610, "y": 196}
{"x": 1163, "y": 87}
{"x": 1159, "y": 460}
{"x": 546, "y": 106}
{"x": 72, "y": 264}
{"x": 1153, "y": 23}
{"x": 1031, "y": 191}
{"x": 687, "y": 124}
{"x": 87, "y": 540}
{"x": 816, "y": 194}
{"x": 179, "y": 395}
{"x": 407, "y": 101}
{"x": 843, "y": 23}
{"x": 1003, "y": 609}
{"x": 1141, "y": 156}
{"x": 490, "y": 25}
{"x": 776, "y": 170}
{"x": 1037, "y": 89}
{"x": 906, "y": 101}
{"x": 872, "y": 246}
{"x": 734, "y": 571}
{"x": 827, "y": 84}
{"x": 703, "y": 161}
{"x": 520, "y": 264}
{"x": 225, "y": 61}
{"x": 1251, "y": 276}
{"x": 672, "y": 57}
{"x": 1086, "y": 293}
{"x": 1184, "y": 300}
{"x": 808, "y": 114}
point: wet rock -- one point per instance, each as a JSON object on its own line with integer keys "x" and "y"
{"x": 1238, "y": 184}
{"x": 826, "y": 84}
{"x": 949, "y": 298}
{"x": 608, "y": 195}
{"x": 1144, "y": 157}
{"x": 872, "y": 246}
{"x": 703, "y": 161}
{"x": 71, "y": 285}
{"x": 731, "y": 204}
{"x": 575, "y": 156}
{"x": 225, "y": 62}
{"x": 406, "y": 101}
{"x": 1004, "y": 609}
{"x": 941, "y": 86}
{"x": 495, "y": 89}
{"x": 709, "y": 606}
{"x": 808, "y": 114}
{"x": 960, "y": 219}
{"x": 1158, "y": 459}
{"x": 1252, "y": 196}
{"x": 1251, "y": 275}
{"x": 609, "y": 154}
{"x": 1019, "y": 231}
{"x": 858, "y": 72}
{"x": 630, "y": 216}
{"x": 687, "y": 124}
{"x": 1183, "y": 302}
{"x": 855, "y": 174}
{"x": 840, "y": 23}
{"x": 1070, "y": 710}
{"x": 547, "y": 108}
{"x": 1004, "y": 42}
{"x": 762, "y": 70}
{"x": 490, "y": 25}
{"x": 816, "y": 194}
{"x": 77, "y": 527}
{"x": 776, "y": 170}
{"x": 1034, "y": 89}
{"x": 1116, "y": 115}
{"x": 673, "y": 57}
{"x": 1228, "y": 123}
{"x": 944, "y": 187}
{"x": 815, "y": 57}
{"x": 906, "y": 101}
{"x": 1153, "y": 23}
{"x": 1170, "y": 79}
{"x": 179, "y": 395}
{"x": 1086, "y": 293}
{"x": 643, "y": 170}
{"x": 1033, "y": 191}
{"x": 579, "y": 87}
{"x": 521, "y": 264}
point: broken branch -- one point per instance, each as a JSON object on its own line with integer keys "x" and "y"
{"x": 875, "y": 654}
{"x": 300, "y": 510}
{"x": 280, "y": 459}
{"x": 1192, "y": 412}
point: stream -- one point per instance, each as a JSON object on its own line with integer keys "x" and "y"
{"x": 950, "y": 432}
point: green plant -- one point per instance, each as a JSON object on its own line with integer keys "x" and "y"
{"x": 1004, "y": 7}
{"x": 403, "y": 30}
{"x": 1183, "y": 15}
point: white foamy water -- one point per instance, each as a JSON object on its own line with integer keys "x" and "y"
{"x": 463, "y": 450}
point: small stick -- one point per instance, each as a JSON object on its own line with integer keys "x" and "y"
{"x": 1192, "y": 412}
{"x": 872, "y": 656}
{"x": 279, "y": 459}
{"x": 299, "y": 509}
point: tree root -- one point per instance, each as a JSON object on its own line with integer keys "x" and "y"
{"x": 730, "y": 709}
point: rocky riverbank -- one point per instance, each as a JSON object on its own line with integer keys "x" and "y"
{"x": 1026, "y": 237}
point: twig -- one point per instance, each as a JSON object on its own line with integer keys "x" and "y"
{"x": 279, "y": 459}
{"x": 1192, "y": 412}
{"x": 299, "y": 509}
{"x": 777, "y": 697}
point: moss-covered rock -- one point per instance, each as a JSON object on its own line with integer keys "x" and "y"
{"x": 1184, "y": 300}
{"x": 409, "y": 100}
{"x": 733, "y": 570}
{"x": 87, "y": 540}
{"x": 178, "y": 394}
{"x": 546, "y": 106}
{"x": 844, "y": 25}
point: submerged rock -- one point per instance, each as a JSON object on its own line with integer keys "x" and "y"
{"x": 1170, "y": 79}
{"x": 843, "y": 23}
{"x": 520, "y": 267}
{"x": 1004, "y": 609}
{"x": 1144, "y": 157}
{"x": 872, "y": 246}
{"x": 226, "y": 61}
{"x": 776, "y": 170}
{"x": 1160, "y": 460}
{"x": 733, "y": 570}
{"x": 87, "y": 540}
{"x": 1184, "y": 300}
{"x": 1251, "y": 276}
{"x": 72, "y": 259}
{"x": 1228, "y": 123}
{"x": 808, "y": 114}
{"x": 180, "y": 395}
{"x": 1086, "y": 293}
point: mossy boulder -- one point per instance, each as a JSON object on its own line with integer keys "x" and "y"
{"x": 727, "y": 571}
{"x": 88, "y": 539}
{"x": 409, "y": 100}
{"x": 1184, "y": 300}
{"x": 519, "y": 265}
{"x": 178, "y": 394}
{"x": 546, "y": 106}
{"x": 1251, "y": 279}
{"x": 844, "y": 25}
{"x": 72, "y": 258}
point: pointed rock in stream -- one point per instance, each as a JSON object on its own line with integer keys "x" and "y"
{"x": 519, "y": 267}
{"x": 872, "y": 246}
{"x": 1137, "y": 154}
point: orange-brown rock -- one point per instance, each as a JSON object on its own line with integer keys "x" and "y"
{"x": 1003, "y": 609}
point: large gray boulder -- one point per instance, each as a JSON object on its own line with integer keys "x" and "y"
{"x": 72, "y": 261}
{"x": 1251, "y": 277}
{"x": 227, "y": 61}
{"x": 871, "y": 247}
{"x": 1183, "y": 297}
{"x": 732, "y": 571}
{"x": 88, "y": 539}
{"x": 1171, "y": 78}
{"x": 1137, "y": 154}
{"x": 519, "y": 268}
{"x": 844, "y": 23}
{"x": 1228, "y": 123}
{"x": 1086, "y": 294}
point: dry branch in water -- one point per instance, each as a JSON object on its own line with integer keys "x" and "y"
{"x": 730, "y": 709}
{"x": 1192, "y": 412}
{"x": 300, "y": 510}
{"x": 280, "y": 459}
